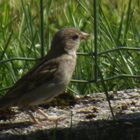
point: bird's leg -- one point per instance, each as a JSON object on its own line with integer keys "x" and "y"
{"x": 47, "y": 117}
{"x": 32, "y": 116}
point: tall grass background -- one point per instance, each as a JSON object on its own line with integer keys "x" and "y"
{"x": 118, "y": 27}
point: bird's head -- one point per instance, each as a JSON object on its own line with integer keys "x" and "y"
{"x": 68, "y": 40}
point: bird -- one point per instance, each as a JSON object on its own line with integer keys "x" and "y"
{"x": 49, "y": 77}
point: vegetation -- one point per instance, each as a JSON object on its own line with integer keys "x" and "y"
{"x": 117, "y": 28}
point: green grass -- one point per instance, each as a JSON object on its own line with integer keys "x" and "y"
{"x": 117, "y": 26}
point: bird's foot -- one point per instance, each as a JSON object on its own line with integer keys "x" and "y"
{"x": 50, "y": 118}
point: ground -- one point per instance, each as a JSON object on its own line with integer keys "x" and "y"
{"x": 85, "y": 118}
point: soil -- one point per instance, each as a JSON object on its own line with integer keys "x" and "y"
{"x": 81, "y": 118}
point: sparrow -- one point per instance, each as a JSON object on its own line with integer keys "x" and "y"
{"x": 50, "y": 76}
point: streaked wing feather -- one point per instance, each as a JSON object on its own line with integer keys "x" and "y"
{"x": 30, "y": 81}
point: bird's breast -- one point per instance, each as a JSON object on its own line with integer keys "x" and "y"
{"x": 66, "y": 69}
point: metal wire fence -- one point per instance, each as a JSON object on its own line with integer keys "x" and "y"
{"x": 95, "y": 54}
{"x": 98, "y": 76}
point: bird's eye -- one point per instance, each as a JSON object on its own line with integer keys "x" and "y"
{"x": 74, "y": 37}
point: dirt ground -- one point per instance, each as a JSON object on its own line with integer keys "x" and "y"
{"x": 83, "y": 118}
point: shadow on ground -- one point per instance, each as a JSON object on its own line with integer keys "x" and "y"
{"x": 122, "y": 129}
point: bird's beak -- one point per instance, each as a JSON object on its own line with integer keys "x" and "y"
{"x": 84, "y": 36}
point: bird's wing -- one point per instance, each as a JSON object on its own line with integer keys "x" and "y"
{"x": 43, "y": 72}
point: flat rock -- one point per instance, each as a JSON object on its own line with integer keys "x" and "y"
{"x": 88, "y": 119}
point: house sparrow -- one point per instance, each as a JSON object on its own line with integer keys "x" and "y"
{"x": 50, "y": 77}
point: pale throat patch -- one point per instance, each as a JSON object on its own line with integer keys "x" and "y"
{"x": 72, "y": 52}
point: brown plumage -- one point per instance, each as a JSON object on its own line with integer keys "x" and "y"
{"x": 50, "y": 77}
